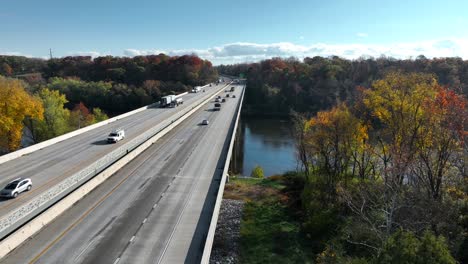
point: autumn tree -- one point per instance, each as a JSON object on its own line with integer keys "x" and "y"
{"x": 80, "y": 116}
{"x": 15, "y": 105}
{"x": 334, "y": 138}
{"x": 6, "y": 69}
{"x": 397, "y": 102}
{"x": 442, "y": 139}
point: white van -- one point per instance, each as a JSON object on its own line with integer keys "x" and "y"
{"x": 116, "y": 136}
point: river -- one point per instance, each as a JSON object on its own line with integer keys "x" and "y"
{"x": 266, "y": 142}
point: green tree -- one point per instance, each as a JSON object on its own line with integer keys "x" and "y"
{"x": 99, "y": 115}
{"x": 406, "y": 248}
{"x": 55, "y": 122}
{"x": 257, "y": 172}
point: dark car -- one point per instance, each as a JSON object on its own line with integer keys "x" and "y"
{"x": 223, "y": 101}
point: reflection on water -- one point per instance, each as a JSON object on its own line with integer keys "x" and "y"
{"x": 265, "y": 142}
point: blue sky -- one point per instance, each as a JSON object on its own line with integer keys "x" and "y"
{"x": 235, "y": 31}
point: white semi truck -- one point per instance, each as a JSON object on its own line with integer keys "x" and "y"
{"x": 168, "y": 100}
{"x": 196, "y": 89}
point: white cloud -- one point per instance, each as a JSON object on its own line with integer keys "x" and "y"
{"x": 14, "y": 53}
{"x": 362, "y": 35}
{"x": 240, "y": 52}
{"x": 93, "y": 54}
{"x": 250, "y": 52}
{"x": 135, "y": 52}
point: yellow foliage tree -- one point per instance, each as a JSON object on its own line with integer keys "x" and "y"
{"x": 15, "y": 105}
{"x": 336, "y": 136}
{"x": 398, "y": 102}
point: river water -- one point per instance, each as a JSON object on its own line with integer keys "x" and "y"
{"x": 266, "y": 142}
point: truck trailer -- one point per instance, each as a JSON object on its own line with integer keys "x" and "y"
{"x": 168, "y": 100}
{"x": 196, "y": 89}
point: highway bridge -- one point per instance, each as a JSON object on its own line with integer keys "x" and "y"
{"x": 158, "y": 206}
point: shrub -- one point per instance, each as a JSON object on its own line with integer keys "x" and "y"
{"x": 257, "y": 172}
{"x": 405, "y": 247}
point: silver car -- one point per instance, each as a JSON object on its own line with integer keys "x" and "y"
{"x": 14, "y": 188}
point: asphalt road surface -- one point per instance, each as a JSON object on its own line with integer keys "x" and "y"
{"x": 157, "y": 209}
{"x": 53, "y": 164}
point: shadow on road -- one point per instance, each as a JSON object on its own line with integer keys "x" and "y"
{"x": 4, "y": 199}
{"x": 100, "y": 143}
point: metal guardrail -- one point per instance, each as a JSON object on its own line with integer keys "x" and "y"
{"x": 26, "y": 212}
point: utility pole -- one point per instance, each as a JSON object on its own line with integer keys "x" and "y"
{"x": 50, "y": 52}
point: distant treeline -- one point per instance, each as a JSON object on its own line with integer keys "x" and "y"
{"x": 52, "y": 97}
{"x": 188, "y": 69}
{"x": 278, "y": 85}
{"x": 114, "y": 84}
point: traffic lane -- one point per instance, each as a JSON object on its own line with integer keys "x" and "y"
{"x": 81, "y": 142}
{"x": 115, "y": 241}
{"x": 53, "y": 171}
{"x": 77, "y": 241}
{"x": 188, "y": 239}
{"x": 146, "y": 243}
{"x": 42, "y": 175}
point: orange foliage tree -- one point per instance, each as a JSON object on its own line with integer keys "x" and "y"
{"x": 15, "y": 105}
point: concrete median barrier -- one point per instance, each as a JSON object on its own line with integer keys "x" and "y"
{"x": 22, "y": 223}
{"x": 41, "y": 145}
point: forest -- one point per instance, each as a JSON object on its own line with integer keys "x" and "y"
{"x": 55, "y": 96}
{"x": 387, "y": 173}
{"x": 276, "y": 86}
{"x": 382, "y": 148}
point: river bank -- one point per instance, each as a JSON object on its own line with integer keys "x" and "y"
{"x": 256, "y": 225}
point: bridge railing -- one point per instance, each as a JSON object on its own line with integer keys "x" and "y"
{"x": 214, "y": 218}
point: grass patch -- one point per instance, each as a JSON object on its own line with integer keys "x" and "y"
{"x": 270, "y": 233}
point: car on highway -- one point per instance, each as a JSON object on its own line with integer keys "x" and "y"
{"x": 227, "y": 95}
{"x": 205, "y": 122}
{"x": 217, "y": 107}
{"x": 14, "y": 188}
{"x": 217, "y": 100}
{"x": 224, "y": 100}
{"x": 233, "y": 96}
{"x": 116, "y": 136}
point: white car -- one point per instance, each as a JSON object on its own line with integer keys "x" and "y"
{"x": 205, "y": 122}
{"x": 116, "y": 136}
{"x": 14, "y": 188}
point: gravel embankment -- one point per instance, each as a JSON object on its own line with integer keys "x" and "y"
{"x": 226, "y": 241}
